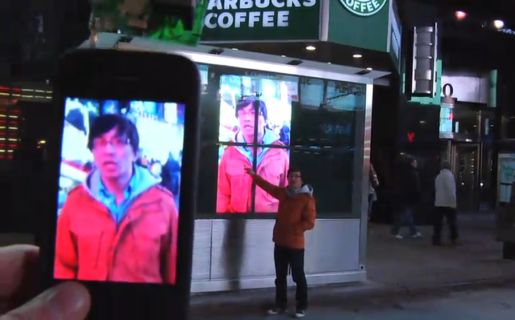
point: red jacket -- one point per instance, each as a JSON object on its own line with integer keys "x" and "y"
{"x": 235, "y": 185}
{"x": 142, "y": 248}
{"x": 297, "y": 213}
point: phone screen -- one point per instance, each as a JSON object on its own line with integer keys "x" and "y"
{"x": 119, "y": 191}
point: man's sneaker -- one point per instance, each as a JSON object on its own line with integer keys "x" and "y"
{"x": 399, "y": 236}
{"x": 299, "y": 313}
{"x": 416, "y": 235}
{"x": 275, "y": 311}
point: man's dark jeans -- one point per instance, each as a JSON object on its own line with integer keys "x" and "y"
{"x": 405, "y": 216}
{"x": 450, "y": 215}
{"x": 284, "y": 257}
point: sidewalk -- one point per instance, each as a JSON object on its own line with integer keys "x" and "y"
{"x": 395, "y": 267}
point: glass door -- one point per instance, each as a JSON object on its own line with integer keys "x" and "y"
{"x": 466, "y": 169}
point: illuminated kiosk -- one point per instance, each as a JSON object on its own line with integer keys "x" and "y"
{"x": 321, "y": 114}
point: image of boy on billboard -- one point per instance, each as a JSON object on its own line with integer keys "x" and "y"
{"x": 119, "y": 224}
{"x": 253, "y": 141}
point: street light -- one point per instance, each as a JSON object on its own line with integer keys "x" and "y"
{"x": 460, "y": 15}
{"x": 498, "y": 24}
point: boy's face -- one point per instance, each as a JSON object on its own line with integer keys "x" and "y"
{"x": 295, "y": 179}
{"x": 113, "y": 155}
{"x": 246, "y": 116}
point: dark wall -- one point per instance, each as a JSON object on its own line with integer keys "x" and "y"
{"x": 24, "y": 192}
{"x": 384, "y": 146}
{"x": 506, "y": 101}
{"x": 33, "y": 33}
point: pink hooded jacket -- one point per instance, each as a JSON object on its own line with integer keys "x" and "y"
{"x": 142, "y": 248}
{"x": 235, "y": 185}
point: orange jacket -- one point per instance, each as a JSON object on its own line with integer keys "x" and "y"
{"x": 142, "y": 248}
{"x": 235, "y": 185}
{"x": 297, "y": 213}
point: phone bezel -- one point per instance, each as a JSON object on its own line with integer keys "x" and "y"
{"x": 129, "y": 75}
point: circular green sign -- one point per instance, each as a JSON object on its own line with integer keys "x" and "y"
{"x": 363, "y": 8}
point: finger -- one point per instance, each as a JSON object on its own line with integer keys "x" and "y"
{"x": 17, "y": 263}
{"x": 66, "y": 301}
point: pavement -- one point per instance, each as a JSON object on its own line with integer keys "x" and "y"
{"x": 395, "y": 268}
{"x": 408, "y": 267}
{"x": 495, "y": 303}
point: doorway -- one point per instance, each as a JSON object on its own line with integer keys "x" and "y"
{"x": 465, "y": 162}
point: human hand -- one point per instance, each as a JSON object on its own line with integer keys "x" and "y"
{"x": 18, "y": 270}
{"x": 250, "y": 171}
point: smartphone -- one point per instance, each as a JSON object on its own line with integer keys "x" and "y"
{"x": 125, "y": 154}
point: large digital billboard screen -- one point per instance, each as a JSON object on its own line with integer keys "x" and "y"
{"x": 271, "y": 122}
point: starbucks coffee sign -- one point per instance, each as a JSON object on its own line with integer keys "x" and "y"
{"x": 261, "y": 20}
{"x": 363, "y": 8}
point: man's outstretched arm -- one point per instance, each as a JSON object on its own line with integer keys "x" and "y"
{"x": 273, "y": 190}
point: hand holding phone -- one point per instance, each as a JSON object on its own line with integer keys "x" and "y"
{"x": 18, "y": 263}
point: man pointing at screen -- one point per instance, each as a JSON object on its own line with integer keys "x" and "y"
{"x": 297, "y": 213}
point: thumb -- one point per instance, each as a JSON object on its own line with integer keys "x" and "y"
{"x": 67, "y": 301}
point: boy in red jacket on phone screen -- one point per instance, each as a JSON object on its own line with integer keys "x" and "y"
{"x": 120, "y": 224}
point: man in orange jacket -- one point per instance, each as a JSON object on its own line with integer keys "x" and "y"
{"x": 297, "y": 213}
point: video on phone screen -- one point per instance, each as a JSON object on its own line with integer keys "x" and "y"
{"x": 119, "y": 189}
{"x": 254, "y": 132}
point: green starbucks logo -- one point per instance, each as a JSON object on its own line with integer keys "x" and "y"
{"x": 363, "y": 8}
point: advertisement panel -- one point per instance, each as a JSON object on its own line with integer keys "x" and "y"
{"x": 271, "y": 122}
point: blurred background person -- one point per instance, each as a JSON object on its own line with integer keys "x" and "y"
{"x": 445, "y": 204}
{"x": 409, "y": 193}
{"x": 372, "y": 185}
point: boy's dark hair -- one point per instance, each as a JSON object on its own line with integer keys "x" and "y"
{"x": 255, "y": 102}
{"x": 294, "y": 169}
{"x": 124, "y": 128}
